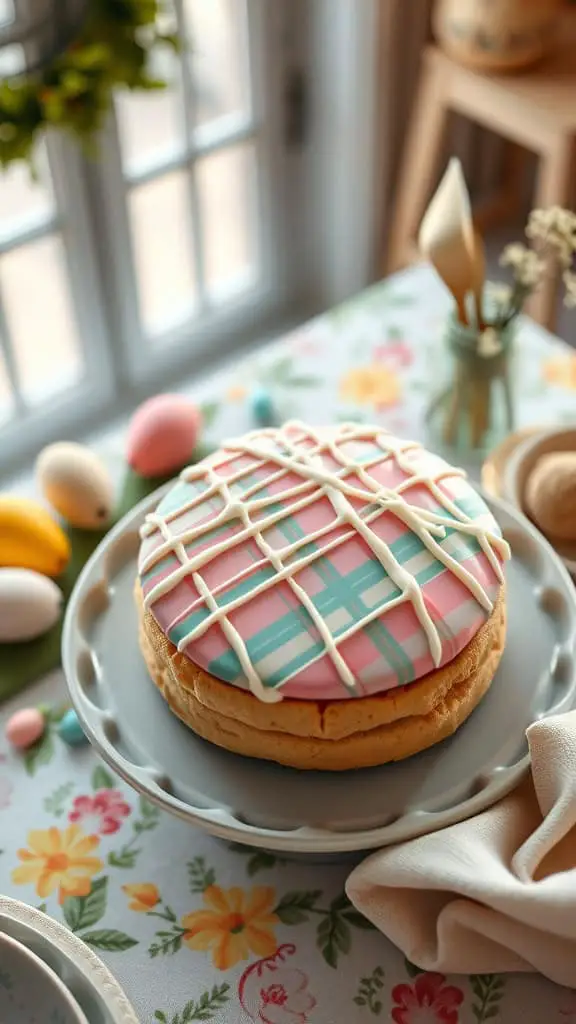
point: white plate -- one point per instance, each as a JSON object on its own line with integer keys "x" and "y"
{"x": 263, "y": 804}
{"x": 30, "y": 991}
{"x": 89, "y": 982}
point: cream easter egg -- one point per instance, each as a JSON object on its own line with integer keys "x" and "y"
{"x": 76, "y": 483}
{"x": 30, "y": 604}
{"x": 162, "y": 435}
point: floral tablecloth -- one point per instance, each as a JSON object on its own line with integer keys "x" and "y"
{"x": 200, "y": 930}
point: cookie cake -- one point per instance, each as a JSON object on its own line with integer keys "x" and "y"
{"x": 327, "y": 598}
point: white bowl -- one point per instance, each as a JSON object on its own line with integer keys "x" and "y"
{"x": 30, "y": 993}
{"x": 518, "y": 468}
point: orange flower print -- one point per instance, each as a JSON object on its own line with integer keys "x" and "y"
{"x": 59, "y": 860}
{"x": 233, "y": 925}
{"x": 561, "y": 371}
{"x": 143, "y": 896}
{"x": 236, "y": 393}
{"x": 374, "y": 385}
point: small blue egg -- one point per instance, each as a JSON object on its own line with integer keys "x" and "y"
{"x": 262, "y": 407}
{"x": 70, "y": 730}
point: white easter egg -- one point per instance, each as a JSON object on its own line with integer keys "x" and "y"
{"x": 76, "y": 483}
{"x": 30, "y": 604}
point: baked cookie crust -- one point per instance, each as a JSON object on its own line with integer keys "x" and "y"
{"x": 326, "y": 735}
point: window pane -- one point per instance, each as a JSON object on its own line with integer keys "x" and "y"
{"x": 218, "y": 51}
{"x": 151, "y": 123}
{"x": 163, "y": 250}
{"x": 22, "y": 198}
{"x": 42, "y": 325}
{"x": 227, "y": 187}
{"x": 6, "y": 403}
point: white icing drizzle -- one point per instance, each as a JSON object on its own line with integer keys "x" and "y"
{"x": 318, "y": 481}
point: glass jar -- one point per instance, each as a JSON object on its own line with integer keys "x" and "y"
{"x": 472, "y": 409}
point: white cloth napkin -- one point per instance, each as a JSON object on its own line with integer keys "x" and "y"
{"x": 495, "y": 893}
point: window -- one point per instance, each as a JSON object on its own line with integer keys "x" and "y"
{"x": 200, "y": 225}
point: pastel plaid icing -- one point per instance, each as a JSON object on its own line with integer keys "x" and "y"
{"x": 344, "y": 584}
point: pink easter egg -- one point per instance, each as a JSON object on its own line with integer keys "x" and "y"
{"x": 25, "y": 727}
{"x": 162, "y": 435}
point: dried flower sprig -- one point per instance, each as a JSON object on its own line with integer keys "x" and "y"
{"x": 554, "y": 232}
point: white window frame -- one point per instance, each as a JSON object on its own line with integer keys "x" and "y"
{"x": 319, "y": 209}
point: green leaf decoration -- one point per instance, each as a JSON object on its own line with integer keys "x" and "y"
{"x": 203, "y": 1009}
{"x": 259, "y": 860}
{"x": 169, "y": 942}
{"x": 294, "y": 907}
{"x": 355, "y": 918}
{"x": 200, "y": 877}
{"x": 368, "y": 990}
{"x": 85, "y": 911}
{"x": 109, "y": 941}
{"x": 102, "y": 779}
{"x": 411, "y": 968}
{"x": 488, "y": 990}
{"x": 74, "y": 91}
{"x": 41, "y": 753}
{"x": 303, "y": 382}
{"x": 209, "y": 412}
{"x": 333, "y": 938}
{"x": 125, "y": 858}
{"x": 55, "y": 803}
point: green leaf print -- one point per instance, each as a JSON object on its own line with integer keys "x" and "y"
{"x": 200, "y": 877}
{"x": 368, "y": 991}
{"x": 258, "y": 860}
{"x": 101, "y": 778}
{"x": 85, "y": 911}
{"x": 169, "y": 942}
{"x": 108, "y": 940}
{"x": 488, "y": 990}
{"x": 333, "y": 937}
{"x": 412, "y": 969}
{"x": 294, "y": 907}
{"x": 204, "y": 1009}
{"x": 41, "y": 753}
{"x": 128, "y": 854}
{"x": 55, "y": 803}
{"x": 302, "y": 381}
{"x": 209, "y": 411}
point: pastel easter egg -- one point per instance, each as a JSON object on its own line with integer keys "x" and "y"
{"x": 162, "y": 435}
{"x": 70, "y": 730}
{"x": 25, "y": 728}
{"x": 262, "y": 407}
{"x": 30, "y": 604}
{"x": 76, "y": 483}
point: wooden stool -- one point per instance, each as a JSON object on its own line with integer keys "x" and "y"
{"x": 535, "y": 110}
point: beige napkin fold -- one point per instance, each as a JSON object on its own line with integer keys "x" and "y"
{"x": 495, "y": 893}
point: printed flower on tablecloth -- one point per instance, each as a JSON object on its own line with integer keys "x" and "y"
{"x": 236, "y": 393}
{"x": 395, "y": 352}
{"x": 374, "y": 385}
{"x": 5, "y": 793}
{"x": 427, "y": 1001}
{"x": 58, "y": 860}
{"x": 103, "y": 813}
{"x": 234, "y": 924}
{"x": 144, "y": 896}
{"x": 273, "y": 993}
{"x": 560, "y": 370}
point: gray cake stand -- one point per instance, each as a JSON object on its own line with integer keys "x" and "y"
{"x": 263, "y": 804}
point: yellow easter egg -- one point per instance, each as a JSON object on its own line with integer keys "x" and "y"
{"x": 76, "y": 483}
{"x": 30, "y": 538}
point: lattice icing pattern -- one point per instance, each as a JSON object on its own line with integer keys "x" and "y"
{"x": 321, "y": 563}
